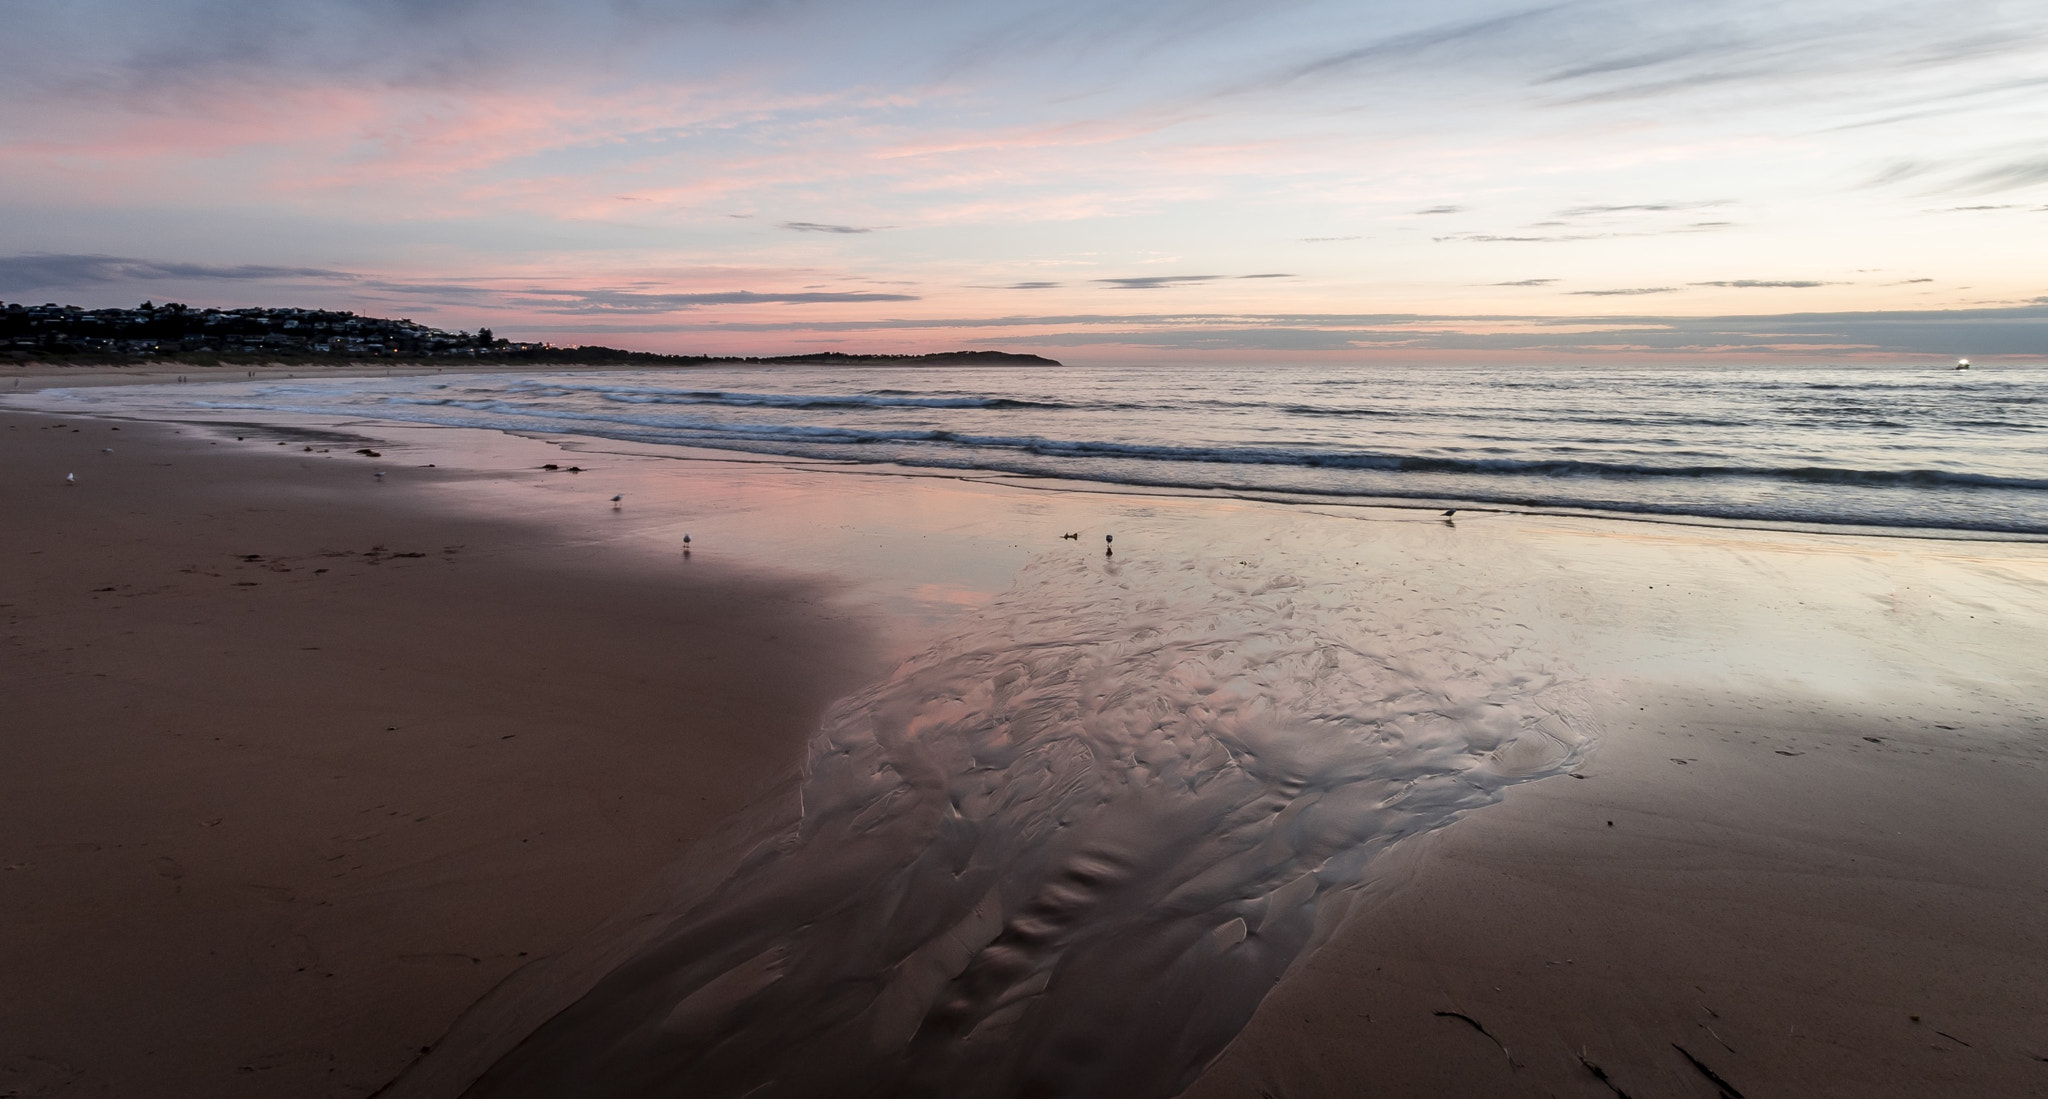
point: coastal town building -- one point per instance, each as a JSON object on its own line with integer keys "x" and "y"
{"x": 172, "y": 328}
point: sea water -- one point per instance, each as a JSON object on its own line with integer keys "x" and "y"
{"x": 1868, "y": 446}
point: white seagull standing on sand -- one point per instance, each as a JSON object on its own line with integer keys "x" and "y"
{"x": 71, "y": 478}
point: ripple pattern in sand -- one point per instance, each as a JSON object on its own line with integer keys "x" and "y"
{"x": 1068, "y": 851}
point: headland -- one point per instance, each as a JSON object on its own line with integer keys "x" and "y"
{"x": 38, "y": 337}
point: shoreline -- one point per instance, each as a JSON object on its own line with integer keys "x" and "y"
{"x": 1471, "y": 506}
{"x": 1488, "y": 888}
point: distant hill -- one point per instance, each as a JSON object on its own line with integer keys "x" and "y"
{"x": 70, "y": 333}
{"x": 939, "y": 358}
{"x": 594, "y": 354}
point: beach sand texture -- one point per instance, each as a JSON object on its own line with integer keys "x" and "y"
{"x": 1821, "y": 757}
{"x": 293, "y": 774}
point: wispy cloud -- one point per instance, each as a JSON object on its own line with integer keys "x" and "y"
{"x": 41, "y": 270}
{"x": 55, "y": 272}
{"x": 1644, "y": 59}
{"x": 1636, "y": 208}
{"x": 1630, "y": 291}
{"x": 2007, "y": 177}
{"x": 617, "y": 301}
{"x": 646, "y": 154}
{"x": 821, "y": 227}
{"x": 1898, "y": 171}
{"x": 1157, "y": 282}
{"x": 1562, "y": 238}
{"x": 1763, "y": 284}
{"x": 1401, "y": 48}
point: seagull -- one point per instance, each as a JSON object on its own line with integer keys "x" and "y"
{"x": 71, "y": 478}
{"x": 380, "y": 475}
{"x": 616, "y": 499}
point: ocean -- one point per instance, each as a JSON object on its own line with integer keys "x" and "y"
{"x": 1867, "y": 446}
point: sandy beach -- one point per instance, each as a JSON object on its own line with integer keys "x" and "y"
{"x": 1799, "y": 862}
{"x": 303, "y": 762}
{"x": 296, "y": 773}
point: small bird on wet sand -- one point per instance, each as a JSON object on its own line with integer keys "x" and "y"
{"x": 1108, "y": 549}
{"x": 1076, "y": 536}
{"x": 71, "y": 478}
{"x": 380, "y": 475}
{"x": 686, "y": 539}
{"x": 1450, "y": 513}
{"x": 616, "y": 499}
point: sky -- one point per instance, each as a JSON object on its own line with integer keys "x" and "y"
{"x": 1826, "y": 180}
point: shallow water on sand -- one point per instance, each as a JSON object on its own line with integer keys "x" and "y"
{"x": 1067, "y": 850}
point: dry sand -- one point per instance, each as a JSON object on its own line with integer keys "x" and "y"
{"x": 1822, "y": 758}
{"x": 268, "y": 825}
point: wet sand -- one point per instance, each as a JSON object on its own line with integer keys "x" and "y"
{"x": 1778, "y": 894}
{"x": 1803, "y": 859}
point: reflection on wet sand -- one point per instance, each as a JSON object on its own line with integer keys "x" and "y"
{"x": 1067, "y": 851}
